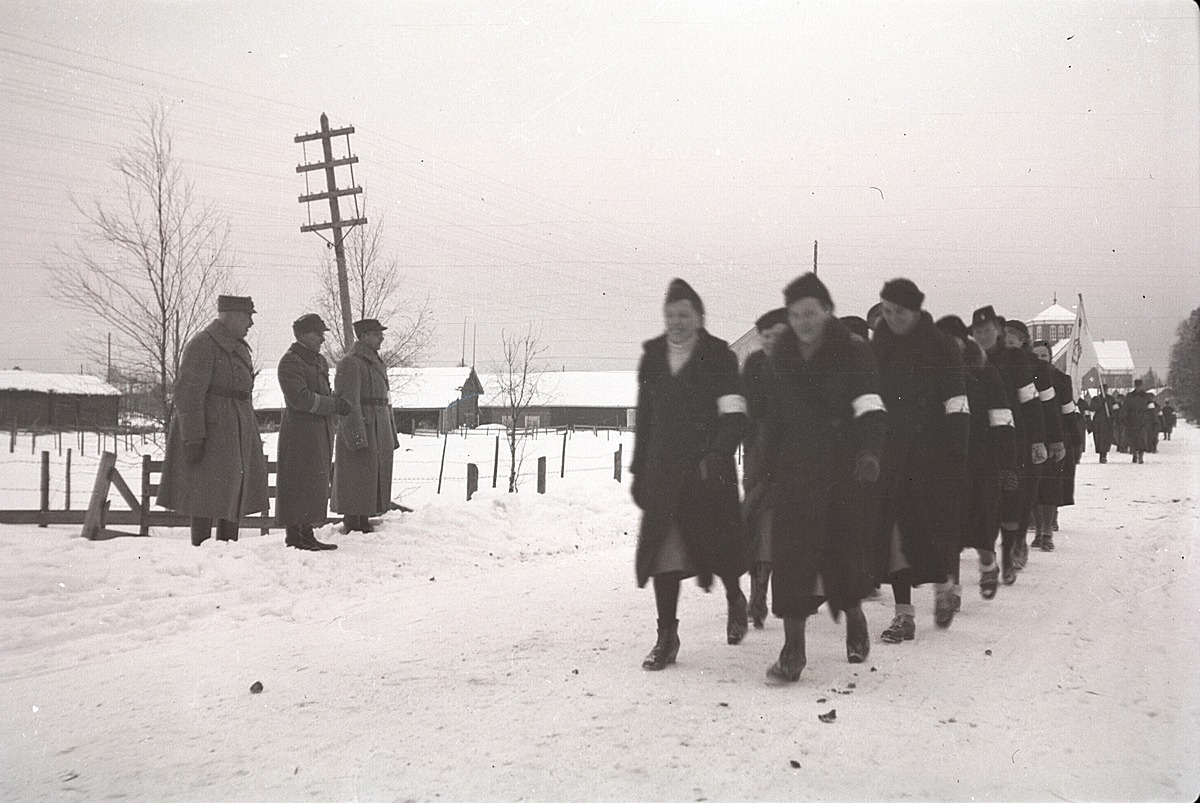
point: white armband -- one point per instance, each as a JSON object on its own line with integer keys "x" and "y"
{"x": 1000, "y": 417}
{"x": 1046, "y": 395}
{"x": 1027, "y": 393}
{"x": 867, "y": 403}
{"x": 957, "y": 404}
{"x": 1069, "y": 408}
{"x": 731, "y": 403}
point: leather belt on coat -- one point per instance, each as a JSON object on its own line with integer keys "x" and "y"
{"x": 375, "y": 402}
{"x": 229, "y": 393}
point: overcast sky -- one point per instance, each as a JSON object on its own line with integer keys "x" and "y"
{"x": 560, "y": 162}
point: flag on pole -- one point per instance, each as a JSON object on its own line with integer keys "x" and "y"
{"x": 1082, "y": 358}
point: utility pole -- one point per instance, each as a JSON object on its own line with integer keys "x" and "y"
{"x": 332, "y": 193}
{"x": 814, "y": 257}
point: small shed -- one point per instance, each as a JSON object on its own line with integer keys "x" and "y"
{"x": 58, "y": 401}
{"x": 570, "y": 398}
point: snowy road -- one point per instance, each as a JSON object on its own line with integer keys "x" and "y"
{"x": 491, "y": 651}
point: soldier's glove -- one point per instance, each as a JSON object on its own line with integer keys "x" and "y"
{"x": 194, "y": 451}
{"x": 343, "y": 406}
{"x": 1008, "y": 480}
{"x": 1057, "y": 451}
{"x": 866, "y": 469}
{"x": 1038, "y": 453}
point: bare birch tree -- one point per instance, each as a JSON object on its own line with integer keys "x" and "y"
{"x": 376, "y": 291}
{"x": 151, "y": 265}
{"x": 519, "y": 376}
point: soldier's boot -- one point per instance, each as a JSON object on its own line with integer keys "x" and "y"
{"x": 227, "y": 530}
{"x": 792, "y": 657}
{"x": 311, "y": 539}
{"x": 295, "y": 538}
{"x": 858, "y": 641}
{"x": 666, "y": 648}
{"x": 201, "y": 530}
{"x": 735, "y": 624}
{"x": 760, "y": 577}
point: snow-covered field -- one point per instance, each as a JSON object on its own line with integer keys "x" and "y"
{"x": 490, "y": 650}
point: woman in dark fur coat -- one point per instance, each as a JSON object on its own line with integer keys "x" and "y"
{"x": 691, "y": 416}
{"x": 824, "y": 427}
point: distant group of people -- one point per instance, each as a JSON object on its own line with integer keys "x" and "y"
{"x": 215, "y": 471}
{"x": 876, "y": 450}
{"x": 1132, "y": 423}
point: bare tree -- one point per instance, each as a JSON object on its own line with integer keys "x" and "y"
{"x": 519, "y": 376}
{"x": 376, "y": 291}
{"x": 153, "y": 260}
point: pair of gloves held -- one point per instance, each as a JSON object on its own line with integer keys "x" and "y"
{"x": 194, "y": 450}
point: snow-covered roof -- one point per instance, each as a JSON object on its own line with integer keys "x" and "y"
{"x": 1055, "y": 313}
{"x": 75, "y": 384}
{"x": 411, "y": 388}
{"x": 1113, "y": 355}
{"x": 616, "y": 389}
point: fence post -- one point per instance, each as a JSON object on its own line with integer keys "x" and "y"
{"x": 45, "y": 506}
{"x": 58, "y": 438}
{"x": 472, "y": 480}
{"x": 542, "y": 474}
{"x": 67, "y": 490}
{"x": 33, "y": 443}
{"x": 496, "y": 463}
{"x": 617, "y": 462}
{"x": 562, "y": 471}
{"x": 442, "y": 467}
{"x": 12, "y": 437}
{"x": 93, "y": 523}
{"x": 144, "y": 528}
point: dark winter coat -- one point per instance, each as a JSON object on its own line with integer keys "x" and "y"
{"x": 991, "y": 449}
{"x": 1058, "y": 482}
{"x": 1043, "y": 380}
{"x": 1016, "y": 372}
{"x": 305, "y": 438}
{"x": 213, "y": 391}
{"x": 1101, "y": 423}
{"x": 1168, "y": 418}
{"x": 822, "y": 414}
{"x": 754, "y": 386}
{"x": 1137, "y": 414}
{"x": 678, "y": 425}
{"x": 922, "y": 379}
{"x": 366, "y": 437}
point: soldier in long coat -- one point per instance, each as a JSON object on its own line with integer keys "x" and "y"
{"x": 991, "y": 459}
{"x": 690, "y": 417}
{"x": 824, "y": 429}
{"x": 923, "y": 384}
{"x": 305, "y": 435}
{"x": 1020, "y": 389}
{"x": 366, "y": 437}
{"x": 214, "y": 466}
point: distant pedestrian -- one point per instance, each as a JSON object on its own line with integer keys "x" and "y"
{"x": 214, "y": 468}
{"x": 1168, "y": 419}
{"x": 1137, "y": 413}
{"x": 1101, "y": 423}
{"x": 756, "y": 385}
{"x": 366, "y": 436}
{"x": 305, "y": 436}
{"x": 825, "y": 426}
{"x": 691, "y": 416}
{"x": 923, "y": 384}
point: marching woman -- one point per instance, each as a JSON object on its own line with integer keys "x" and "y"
{"x": 991, "y": 459}
{"x": 1060, "y": 490}
{"x": 824, "y": 428}
{"x": 690, "y": 418}
{"x": 923, "y": 384}
{"x": 1101, "y": 423}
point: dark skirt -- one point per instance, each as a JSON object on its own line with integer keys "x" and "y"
{"x": 981, "y": 511}
{"x": 1050, "y": 485}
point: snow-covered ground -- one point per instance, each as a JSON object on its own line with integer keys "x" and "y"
{"x": 491, "y": 650}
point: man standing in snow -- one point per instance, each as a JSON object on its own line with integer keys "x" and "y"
{"x": 214, "y": 466}
{"x": 362, "y": 473}
{"x": 306, "y": 435}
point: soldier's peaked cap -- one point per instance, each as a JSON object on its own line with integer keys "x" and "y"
{"x": 367, "y": 325}
{"x": 235, "y": 304}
